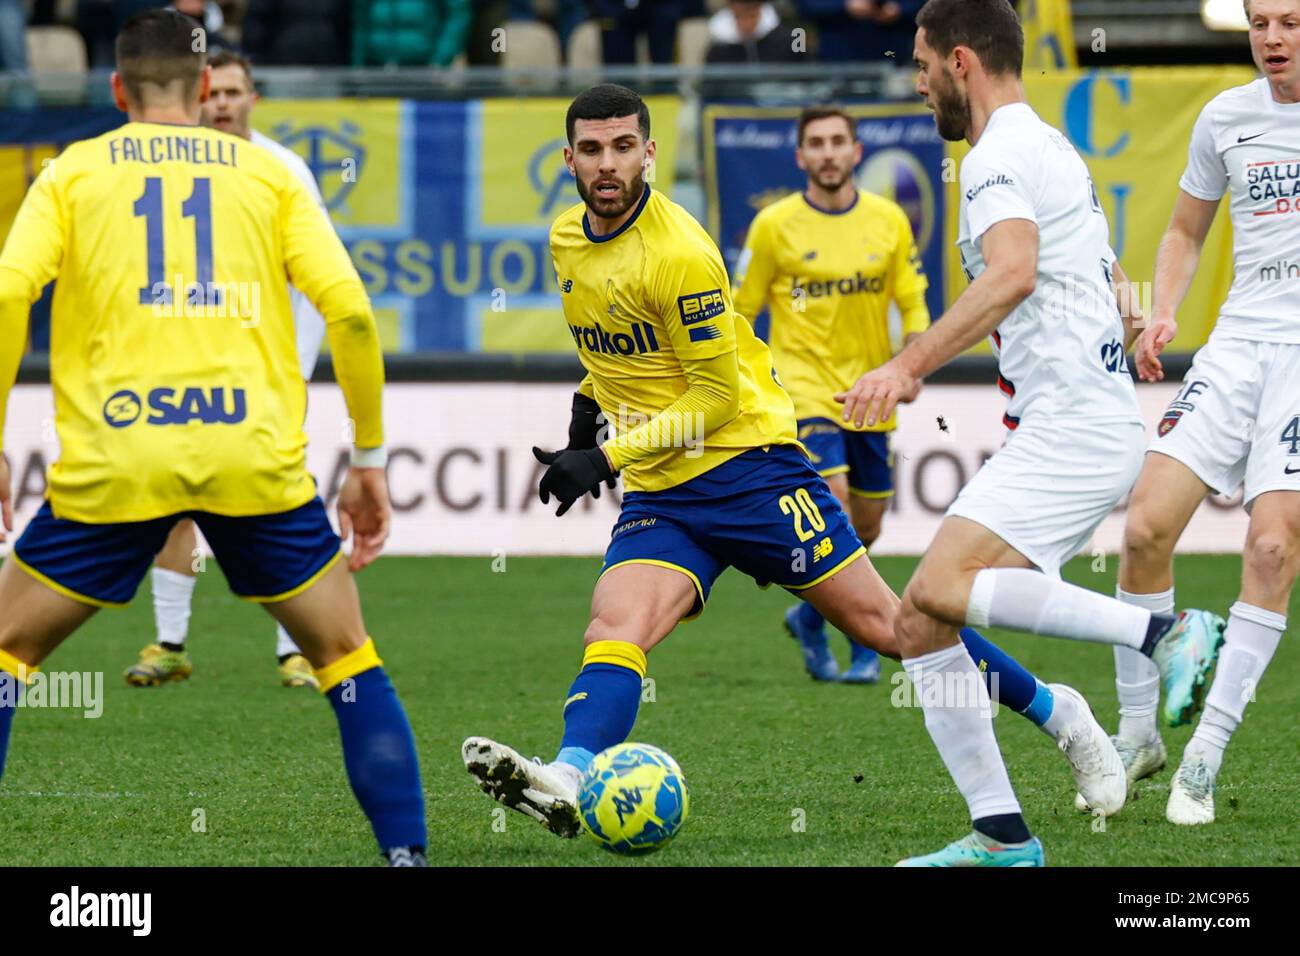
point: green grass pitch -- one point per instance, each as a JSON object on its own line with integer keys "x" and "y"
{"x": 229, "y": 768}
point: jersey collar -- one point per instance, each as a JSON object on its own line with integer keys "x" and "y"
{"x": 586, "y": 228}
{"x": 834, "y": 212}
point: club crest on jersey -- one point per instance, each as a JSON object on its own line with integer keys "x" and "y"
{"x": 1172, "y": 417}
{"x": 639, "y": 341}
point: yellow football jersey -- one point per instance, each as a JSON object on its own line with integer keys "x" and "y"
{"x": 828, "y": 279}
{"x": 172, "y": 348}
{"x": 649, "y": 309}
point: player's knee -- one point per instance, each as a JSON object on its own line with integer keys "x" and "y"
{"x": 933, "y": 596}
{"x": 868, "y": 530}
{"x": 1146, "y": 539}
{"x": 1270, "y": 557}
{"x": 873, "y": 626}
{"x": 628, "y": 629}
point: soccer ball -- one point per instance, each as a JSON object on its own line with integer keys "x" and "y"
{"x": 633, "y": 799}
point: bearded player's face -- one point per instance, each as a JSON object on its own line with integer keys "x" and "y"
{"x": 829, "y": 152}
{"x": 608, "y": 159}
{"x": 936, "y": 84}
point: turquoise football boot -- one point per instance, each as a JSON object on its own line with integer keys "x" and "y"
{"x": 974, "y": 850}
{"x": 818, "y": 660}
{"x": 1185, "y": 655}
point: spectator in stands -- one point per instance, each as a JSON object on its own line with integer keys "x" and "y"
{"x": 298, "y": 32}
{"x": 409, "y": 32}
{"x": 749, "y": 31}
{"x": 210, "y": 15}
{"x": 622, "y": 21}
{"x": 13, "y": 36}
{"x": 568, "y": 14}
{"x": 861, "y": 31}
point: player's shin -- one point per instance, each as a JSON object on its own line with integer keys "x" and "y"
{"x": 9, "y": 690}
{"x": 378, "y": 748}
{"x": 603, "y": 700}
{"x": 1251, "y": 638}
{"x": 1137, "y": 679}
{"x": 1008, "y": 682}
{"x": 957, "y": 716}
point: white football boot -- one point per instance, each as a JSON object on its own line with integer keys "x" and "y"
{"x": 1098, "y": 769}
{"x": 1140, "y": 761}
{"x": 1191, "y": 796}
{"x": 546, "y": 792}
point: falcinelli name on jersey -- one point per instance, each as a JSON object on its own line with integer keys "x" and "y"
{"x": 173, "y": 149}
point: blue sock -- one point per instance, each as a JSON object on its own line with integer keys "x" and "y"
{"x": 601, "y": 707}
{"x": 809, "y": 618}
{"x": 379, "y": 753}
{"x": 1016, "y": 687}
{"x": 8, "y": 704}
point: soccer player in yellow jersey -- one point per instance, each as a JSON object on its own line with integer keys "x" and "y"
{"x": 177, "y": 394}
{"x": 228, "y": 108}
{"x": 713, "y": 474}
{"x": 828, "y": 262}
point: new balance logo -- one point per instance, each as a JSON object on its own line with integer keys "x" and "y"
{"x": 822, "y": 549}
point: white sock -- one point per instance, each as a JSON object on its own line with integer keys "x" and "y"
{"x": 958, "y": 716}
{"x": 1064, "y": 713}
{"x": 284, "y": 643}
{"x": 1249, "y": 642}
{"x": 1137, "y": 679}
{"x": 172, "y": 595}
{"x": 1023, "y": 600}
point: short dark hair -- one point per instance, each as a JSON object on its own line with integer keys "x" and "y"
{"x": 157, "y": 47}
{"x": 813, "y": 113}
{"x": 989, "y": 27}
{"x": 231, "y": 58}
{"x": 607, "y": 101}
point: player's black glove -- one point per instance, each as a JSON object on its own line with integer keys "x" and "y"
{"x": 584, "y": 430}
{"x": 571, "y": 474}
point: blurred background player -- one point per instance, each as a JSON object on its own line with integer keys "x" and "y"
{"x": 827, "y": 262}
{"x": 1034, "y": 241}
{"x": 171, "y": 403}
{"x": 1236, "y": 416}
{"x": 715, "y": 476}
{"x": 228, "y": 108}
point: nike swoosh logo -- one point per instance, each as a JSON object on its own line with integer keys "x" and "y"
{"x": 1247, "y": 139}
{"x": 1291, "y": 471}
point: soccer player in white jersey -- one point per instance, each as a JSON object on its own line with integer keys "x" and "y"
{"x": 1237, "y": 415}
{"x": 1035, "y": 243}
{"x": 228, "y": 108}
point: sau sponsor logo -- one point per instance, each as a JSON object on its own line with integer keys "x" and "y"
{"x": 122, "y": 408}
{"x": 1172, "y": 417}
{"x": 209, "y": 406}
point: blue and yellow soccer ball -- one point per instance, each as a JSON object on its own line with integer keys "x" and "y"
{"x": 633, "y": 799}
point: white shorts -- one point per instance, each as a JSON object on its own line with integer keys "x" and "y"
{"x": 1052, "y": 483}
{"x": 1237, "y": 417}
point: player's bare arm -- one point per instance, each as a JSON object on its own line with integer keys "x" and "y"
{"x": 1176, "y": 262}
{"x": 1130, "y": 308}
{"x": 1010, "y": 249}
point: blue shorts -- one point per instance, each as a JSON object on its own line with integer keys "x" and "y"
{"x": 864, "y": 455}
{"x": 766, "y": 513}
{"x": 264, "y": 557}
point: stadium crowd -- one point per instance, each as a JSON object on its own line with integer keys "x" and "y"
{"x": 444, "y": 33}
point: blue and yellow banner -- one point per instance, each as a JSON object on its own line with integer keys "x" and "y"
{"x": 1132, "y": 128}
{"x": 1049, "y": 35}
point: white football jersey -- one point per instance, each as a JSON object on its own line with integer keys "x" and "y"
{"x": 309, "y": 323}
{"x": 1246, "y": 142}
{"x": 1061, "y": 351}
